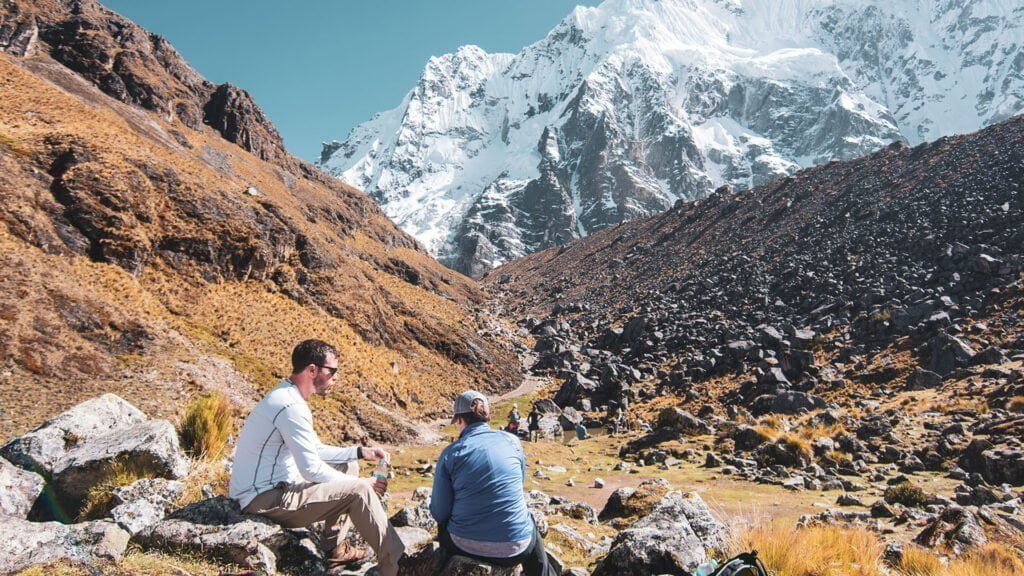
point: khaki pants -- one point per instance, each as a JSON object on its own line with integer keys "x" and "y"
{"x": 336, "y": 503}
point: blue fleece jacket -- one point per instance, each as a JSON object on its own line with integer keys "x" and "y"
{"x": 478, "y": 487}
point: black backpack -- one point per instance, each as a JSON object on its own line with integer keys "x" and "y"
{"x": 745, "y": 564}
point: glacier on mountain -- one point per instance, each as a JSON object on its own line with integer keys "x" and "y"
{"x": 625, "y": 108}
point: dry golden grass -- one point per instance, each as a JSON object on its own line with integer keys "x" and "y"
{"x": 208, "y": 421}
{"x": 917, "y": 561}
{"x": 991, "y": 560}
{"x": 819, "y": 551}
{"x": 399, "y": 341}
{"x": 797, "y": 445}
{"x": 1016, "y": 404}
{"x": 119, "y": 472}
{"x": 833, "y": 551}
{"x": 135, "y": 563}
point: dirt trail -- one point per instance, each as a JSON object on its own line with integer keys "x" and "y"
{"x": 429, "y": 432}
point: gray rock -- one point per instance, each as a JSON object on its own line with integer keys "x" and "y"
{"x": 417, "y": 516}
{"x": 18, "y": 490}
{"x": 145, "y": 502}
{"x": 577, "y": 510}
{"x": 921, "y": 379}
{"x": 683, "y": 422}
{"x": 413, "y": 538}
{"x": 41, "y": 449}
{"x": 34, "y": 543}
{"x": 151, "y": 445}
{"x": 673, "y": 539}
{"x": 463, "y": 566}
{"x": 569, "y": 418}
{"x": 957, "y": 529}
{"x": 948, "y": 353}
{"x": 217, "y": 529}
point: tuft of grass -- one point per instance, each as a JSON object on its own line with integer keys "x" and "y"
{"x": 839, "y": 458}
{"x": 917, "y": 561}
{"x": 121, "y": 471}
{"x": 796, "y": 445}
{"x": 207, "y": 424}
{"x": 907, "y": 494}
{"x": 818, "y": 551}
{"x": 1016, "y": 404}
{"x": 991, "y": 560}
{"x": 774, "y": 422}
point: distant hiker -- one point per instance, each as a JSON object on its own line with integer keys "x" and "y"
{"x": 513, "y": 420}
{"x": 581, "y": 432}
{"x": 283, "y": 472}
{"x": 533, "y": 423}
{"x": 478, "y": 499}
{"x": 618, "y": 420}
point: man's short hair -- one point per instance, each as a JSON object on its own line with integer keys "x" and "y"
{"x": 311, "y": 352}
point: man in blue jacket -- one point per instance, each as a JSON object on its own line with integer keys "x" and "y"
{"x": 478, "y": 498}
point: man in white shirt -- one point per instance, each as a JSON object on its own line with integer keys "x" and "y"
{"x": 283, "y": 472}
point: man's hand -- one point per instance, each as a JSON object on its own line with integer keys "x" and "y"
{"x": 380, "y": 485}
{"x": 374, "y": 454}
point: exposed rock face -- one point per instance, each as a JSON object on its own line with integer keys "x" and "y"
{"x": 18, "y": 490}
{"x": 31, "y": 543}
{"x": 233, "y": 113}
{"x": 137, "y": 67}
{"x": 624, "y": 108}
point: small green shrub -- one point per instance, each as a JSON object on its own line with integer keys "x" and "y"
{"x": 907, "y": 494}
{"x": 207, "y": 424}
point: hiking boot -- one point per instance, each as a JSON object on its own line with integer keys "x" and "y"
{"x": 345, "y": 554}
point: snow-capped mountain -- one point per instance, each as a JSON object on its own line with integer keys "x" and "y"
{"x": 625, "y": 108}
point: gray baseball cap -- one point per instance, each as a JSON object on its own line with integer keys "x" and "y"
{"x": 464, "y": 403}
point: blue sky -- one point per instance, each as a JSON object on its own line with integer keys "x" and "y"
{"x": 319, "y": 67}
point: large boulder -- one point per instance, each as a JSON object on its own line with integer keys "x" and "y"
{"x": 627, "y": 501}
{"x": 217, "y": 528}
{"x": 683, "y": 422}
{"x": 42, "y": 449}
{"x": 948, "y": 353}
{"x": 673, "y": 539}
{"x": 144, "y": 503}
{"x": 957, "y": 529}
{"x": 150, "y": 446}
{"x": 996, "y": 465}
{"x": 34, "y": 543}
{"x": 18, "y": 490}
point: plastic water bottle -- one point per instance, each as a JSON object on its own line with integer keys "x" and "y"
{"x": 706, "y": 568}
{"x": 381, "y": 472}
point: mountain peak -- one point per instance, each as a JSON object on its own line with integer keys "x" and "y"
{"x": 657, "y": 100}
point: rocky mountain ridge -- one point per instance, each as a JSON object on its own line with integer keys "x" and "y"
{"x": 624, "y": 108}
{"x": 158, "y": 241}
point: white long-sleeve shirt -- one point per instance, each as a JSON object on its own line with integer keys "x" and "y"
{"x": 278, "y": 444}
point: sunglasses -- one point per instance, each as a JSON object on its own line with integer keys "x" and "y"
{"x": 332, "y": 369}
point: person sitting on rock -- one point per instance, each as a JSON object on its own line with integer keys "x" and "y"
{"x": 283, "y": 472}
{"x": 478, "y": 500}
{"x": 513, "y": 420}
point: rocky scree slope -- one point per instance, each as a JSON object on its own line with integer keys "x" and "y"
{"x": 836, "y": 287}
{"x": 158, "y": 241}
{"x": 626, "y": 107}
